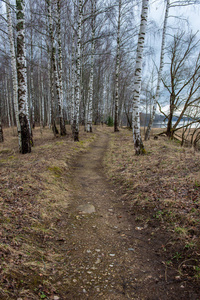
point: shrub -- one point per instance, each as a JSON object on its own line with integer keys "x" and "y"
{"x": 110, "y": 122}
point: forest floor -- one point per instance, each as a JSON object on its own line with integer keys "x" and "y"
{"x": 91, "y": 220}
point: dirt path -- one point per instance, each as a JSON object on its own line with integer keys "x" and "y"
{"x": 107, "y": 256}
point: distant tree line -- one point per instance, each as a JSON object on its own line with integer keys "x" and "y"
{"x": 84, "y": 62}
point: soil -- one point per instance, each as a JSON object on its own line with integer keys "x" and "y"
{"x": 90, "y": 247}
{"x": 113, "y": 258}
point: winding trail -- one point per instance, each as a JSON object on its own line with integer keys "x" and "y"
{"x": 108, "y": 257}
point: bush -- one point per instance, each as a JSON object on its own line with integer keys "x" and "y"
{"x": 110, "y": 122}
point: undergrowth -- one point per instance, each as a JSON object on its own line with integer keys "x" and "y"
{"x": 162, "y": 190}
{"x": 34, "y": 195}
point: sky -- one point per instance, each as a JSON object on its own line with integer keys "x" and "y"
{"x": 190, "y": 12}
{"x": 178, "y": 17}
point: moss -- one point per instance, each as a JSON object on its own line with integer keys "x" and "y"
{"x": 181, "y": 231}
{"x": 4, "y": 151}
{"x": 59, "y": 143}
{"x": 11, "y": 157}
{"x": 143, "y": 151}
{"x": 57, "y": 172}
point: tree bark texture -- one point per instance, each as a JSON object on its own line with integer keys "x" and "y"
{"x": 91, "y": 80}
{"x": 78, "y": 75}
{"x": 13, "y": 69}
{"x": 116, "y": 122}
{"x": 139, "y": 147}
{"x": 72, "y": 84}
{"x": 60, "y": 73}
{"x": 25, "y": 146}
{"x": 147, "y": 134}
{"x": 1, "y": 133}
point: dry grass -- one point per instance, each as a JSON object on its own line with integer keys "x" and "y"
{"x": 34, "y": 195}
{"x": 162, "y": 186}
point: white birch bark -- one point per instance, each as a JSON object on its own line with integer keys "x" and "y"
{"x": 78, "y": 74}
{"x": 60, "y": 73}
{"x": 7, "y": 100}
{"x": 72, "y": 83}
{"x": 139, "y": 148}
{"x": 159, "y": 72}
{"x": 53, "y": 67}
{"x": 11, "y": 105}
{"x": 116, "y": 122}
{"x": 22, "y": 79}
{"x": 49, "y": 90}
{"x": 32, "y": 95}
{"x": 91, "y": 80}
{"x": 32, "y": 99}
{"x": 39, "y": 77}
{"x": 14, "y": 69}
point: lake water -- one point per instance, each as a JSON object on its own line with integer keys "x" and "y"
{"x": 164, "y": 125}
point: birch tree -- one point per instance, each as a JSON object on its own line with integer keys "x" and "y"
{"x": 78, "y": 73}
{"x": 25, "y": 146}
{"x": 53, "y": 68}
{"x": 60, "y": 93}
{"x": 91, "y": 80}
{"x": 13, "y": 68}
{"x": 31, "y": 74}
{"x": 156, "y": 98}
{"x": 116, "y": 122}
{"x": 139, "y": 147}
{"x": 72, "y": 83}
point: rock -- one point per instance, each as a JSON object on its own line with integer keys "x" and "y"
{"x": 56, "y": 298}
{"x": 138, "y": 228}
{"x": 98, "y": 261}
{"x": 86, "y": 208}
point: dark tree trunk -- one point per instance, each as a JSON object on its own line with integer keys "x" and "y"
{"x": 54, "y": 128}
{"x": 116, "y": 129}
{"x": 169, "y": 131}
{"x": 1, "y": 134}
{"x": 76, "y": 134}
{"x": 63, "y": 131}
{"x": 25, "y": 134}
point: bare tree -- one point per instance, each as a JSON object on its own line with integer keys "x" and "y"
{"x": 13, "y": 68}
{"x": 183, "y": 82}
{"x": 25, "y": 145}
{"x": 60, "y": 94}
{"x": 91, "y": 80}
{"x": 116, "y": 122}
{"x": 139, "y": 147}
{"x": 78, "y": 73}
{"x": 147, "y": 134}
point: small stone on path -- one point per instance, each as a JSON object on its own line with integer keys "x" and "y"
{"x": 98, "y": 261}
{"x": 86, "y": 208}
